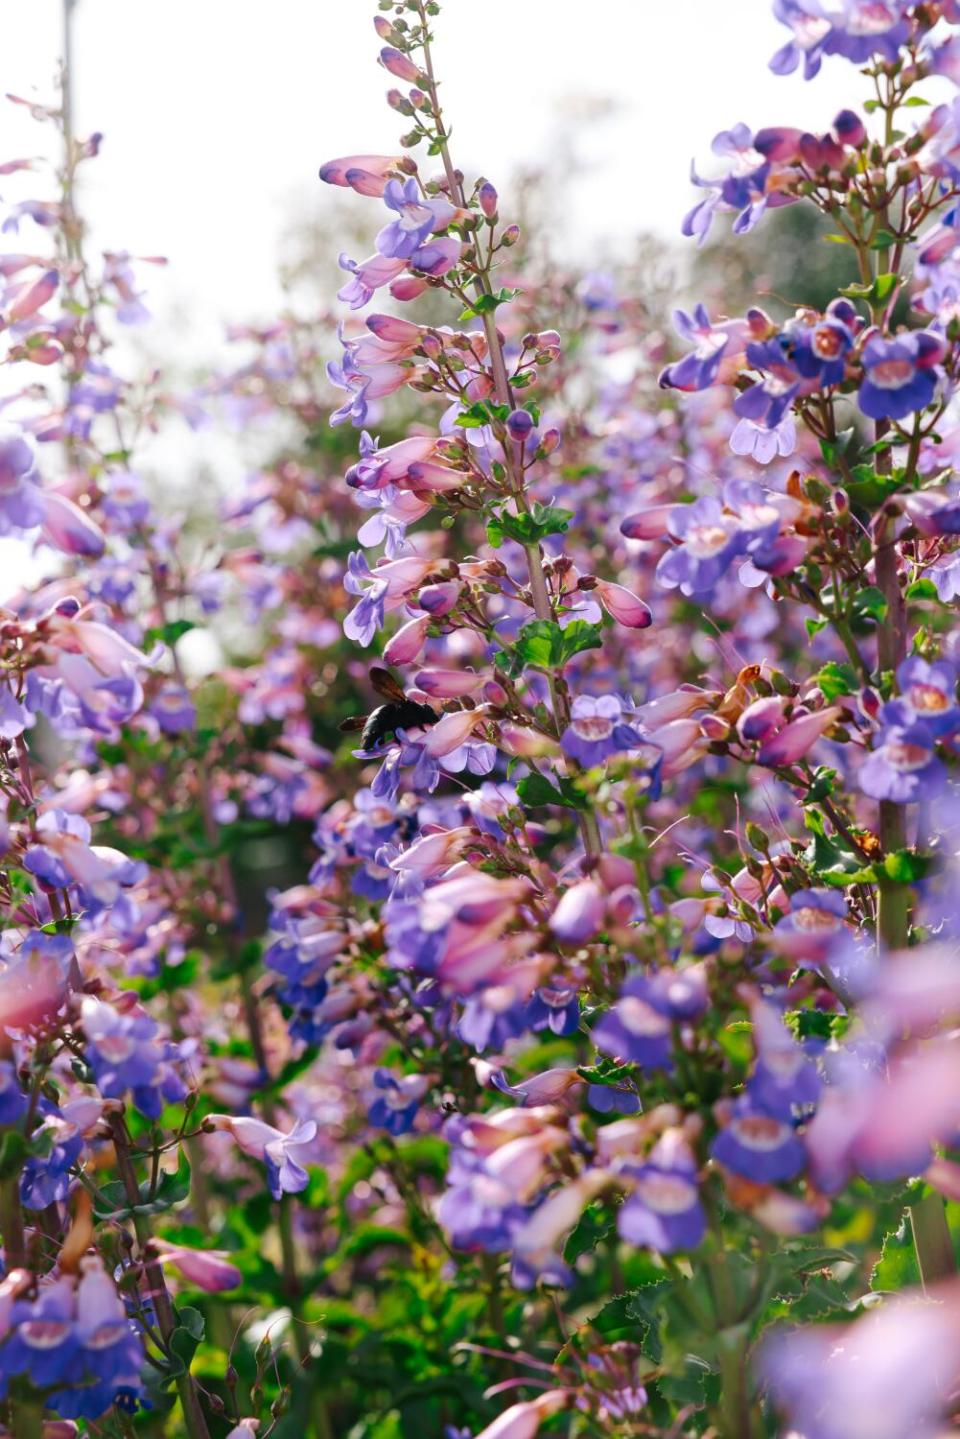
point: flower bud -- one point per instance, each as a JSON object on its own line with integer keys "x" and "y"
{"x": 519, "y": 424}
{"x": 510, "y": 235}
{"x": 399, "y": 64}
{"x": 406, "y": 644}
{"x": 487, "y": 197}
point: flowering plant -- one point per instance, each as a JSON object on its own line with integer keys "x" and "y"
{"x": 552, "y": 1022}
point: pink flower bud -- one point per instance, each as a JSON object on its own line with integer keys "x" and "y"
{"x": 447, "y": 684}
{"x": 494, "y": 692}
{"x": 374, "y": 167}
{"x": 521, "y": 1421}
{"x": 550, "y": 441}
{"x": 580, "y": 913}
{"x": 399, "y": 64}
{"x": 408, "y": 287}
{"x": 440, "y": 599}
{"x": 761, "y": 719}
{"x": 524, "y": 742}
{"x": 207, "y": 1269}
{"x": 67, "y": 528}
{"x": 487, "y": 196}
{"x": 29, "y": 298}
{"x": 625, "y": 607}
{"x": 648, "y": 524}
{"x": 797, "y": 738}
{"x": 406, "y": 644}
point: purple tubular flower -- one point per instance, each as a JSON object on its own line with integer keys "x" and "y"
{"x": 663, "y": 1211}
{"x": 637, "y": 1028}
{"x": 698, "y": 370}
{"x": 903, "y": 766}
{"x": 597, "y": 729}
{"x": 768, "y": 401}
{"x": 900, "y": 375}
{"x": 816, "y": 921}
{"x": 367, "y": 616}
{"x": 759, "y": 1146}
{"x": 709, "y": 540}
{"x": 396, "y": 1108}
{"x": 928, "y": 693}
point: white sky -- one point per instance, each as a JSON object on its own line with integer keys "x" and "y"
{"x": 217, "y": 114}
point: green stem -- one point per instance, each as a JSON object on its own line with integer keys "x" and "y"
{"x": 736, "y": 1410}
{"x": 156, "y": 1285}
{"x": 11, "y": 1223}
{"x": 932, "y": 1241}
{"x": 26, "y": 1416}
{"x": 587, "y": 821}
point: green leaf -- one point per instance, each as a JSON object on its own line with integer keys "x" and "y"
{"x": 905, "y": 866}
{"x": 870, "y": 604}
{"x": 487, "y": 304}
{"x": 883, "y": 240}
{"x": 837, "y": 679}
{"x": 922, "y": 590}
{"x": 528, "y": 529}
{"x": 534, "y": 790}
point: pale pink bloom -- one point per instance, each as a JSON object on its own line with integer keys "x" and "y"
{"x": 67, "y": 528}
{"x": 399, "y": 64}
{"x": 451, "y": 731}
{"x": 404, "y": 647}
{"x": 521, "y": 1421}
{"x": 367, "y": 174}
{"x": 25, "y": 299}
{"x": 432, "y": 853}
{"x": 402, "y": 575}
{"x": 393, "y": 330}
{"x": 524, "y": 742}
{"x": 103, "y": 646}
{"x": 550, "y": 1086}
{"x": 447, "y": 684}
{"x": 652, "y": 523}
{"x": 246, "y": 1429}
{"x": 522, "y": 1163}
{"x": 538, "y": 1238}
{"x": 579, "y": 915}
{"x": 626, "y": 608}
{"x": 206, "y": 1269}
{"x": 797, "y": 738}
{"x": 761, "y": 719}
{"x": 678, "y": 704}
{"x": 408, "y": 287}
{"x": 428, "y": 475}
{"x": 682, "y": 744}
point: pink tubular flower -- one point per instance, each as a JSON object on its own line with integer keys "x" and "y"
{"x": 406, "y": 644}
{"x": 206, "y": 1269}
{"x": 67, "y": 528}
{"x": 399, "y": 64}
{"x": 623, "y": 605}
{"x": 367, "y": 174}
{"x": 24, "y": 300}
{"x": 653, "y": 523}
{"x": 521, "y": 1421}
{"x": 797, "y": 737}
{"x": 447, "y": 684}
{"x": 580, "y": 913}
{"x": 451, "y": 731}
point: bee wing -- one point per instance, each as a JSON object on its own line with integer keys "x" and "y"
{"x": 385, "y": 684}
{"x": 352, "y": 725}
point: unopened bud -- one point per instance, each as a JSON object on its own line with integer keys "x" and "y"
{"x": 510, "y": 235}
{"x": 487, "y": 197}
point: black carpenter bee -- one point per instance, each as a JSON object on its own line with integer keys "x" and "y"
{"x": 398, "y": 713}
